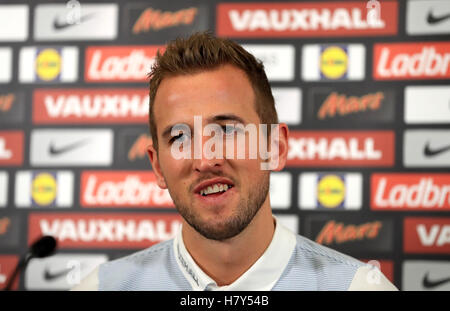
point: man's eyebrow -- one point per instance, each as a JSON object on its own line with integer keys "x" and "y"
{"x": 225, "y": 117}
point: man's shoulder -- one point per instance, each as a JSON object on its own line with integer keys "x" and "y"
{"x": 116, "y": 274}
{"x": 317, "y": 252}
{"x": 316, "y": 267}
{"x": 147, "y": 256}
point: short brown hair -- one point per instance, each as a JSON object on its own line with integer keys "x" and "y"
{"x": 203, "y": 51}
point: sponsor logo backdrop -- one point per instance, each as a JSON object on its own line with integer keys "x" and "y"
{"x": 363, "y": 85}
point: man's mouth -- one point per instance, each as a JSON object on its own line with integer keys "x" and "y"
{"x": 213, "y": 187}
{"x": 216, "y": 188}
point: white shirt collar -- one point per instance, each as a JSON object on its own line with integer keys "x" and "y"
{"x": 261, "y": 276}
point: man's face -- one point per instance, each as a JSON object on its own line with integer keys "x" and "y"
{"x": 221, "y": 96}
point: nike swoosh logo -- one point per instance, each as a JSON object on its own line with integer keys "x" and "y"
{"x": 431, "y": 19}
{"x": 54, "y": 151}
{"x": 433, "y": 152}
{"x": 48, "y": 276}
{"x": 58, "y": 25}
{"x": 427, "y": 283}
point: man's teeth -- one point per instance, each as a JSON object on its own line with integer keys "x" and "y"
{"x": 215, "y": 189}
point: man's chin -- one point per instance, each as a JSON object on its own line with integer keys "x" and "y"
{"x": 220, "y": 230}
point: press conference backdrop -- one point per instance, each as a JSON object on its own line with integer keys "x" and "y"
{"x": 363, "y": 85}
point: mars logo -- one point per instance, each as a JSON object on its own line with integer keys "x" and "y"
{"x": 330, "y": 191}
{"x": 6, "y": 102}
{"x": 152, "y": 19}
{"x": 48, "y": 64}
{"x": 351, "y": 234}
{"x": 4, "y": 225}
{"x": 333, "y": 62}
{"x": 330, "y": 106}
{"x": 341, "y": 105}
{"x": 12, "y": 107}
{"x": 138, "y": 150}
{"x": 43, "y": 188}
{"x": 335, "y": 232}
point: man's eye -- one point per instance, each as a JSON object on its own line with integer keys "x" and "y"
{"x": 178, "y": 138}
{"x": 228, "y": 130}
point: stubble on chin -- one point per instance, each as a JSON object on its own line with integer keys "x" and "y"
{"x": 219, "y": 228}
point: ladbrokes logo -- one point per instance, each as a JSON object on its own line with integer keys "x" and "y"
{"x": 122, "y": 189}
{"x": 153, "y": 20}
{"x": 11, "y": 148}
{"x": 343, "y": 148}
{"x": 351, "y": 234}
{"x": 426, "y": 235}
{"x": 414, "y": 192}
{"x": 397, "y": 61}
{"x": 119, "y": 64}
{"x": 305, "y": 19}
{"x": 90, "y": 106}
{"x": 104, "y": 230}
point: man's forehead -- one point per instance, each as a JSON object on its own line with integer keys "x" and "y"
{"x": 180, "y": 98}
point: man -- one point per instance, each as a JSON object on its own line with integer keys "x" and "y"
{"x": 229, "y": 238}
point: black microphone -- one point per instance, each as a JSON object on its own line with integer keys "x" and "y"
{"x": 43, "y": 247}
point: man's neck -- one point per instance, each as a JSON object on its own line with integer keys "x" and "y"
{"x": 225, "y": 261}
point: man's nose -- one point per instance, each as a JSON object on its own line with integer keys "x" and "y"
{"x": 208, "y": 154}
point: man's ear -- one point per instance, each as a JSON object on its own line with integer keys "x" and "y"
{"x": 283, "y": 146}
{"x": 153, "y": 156}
